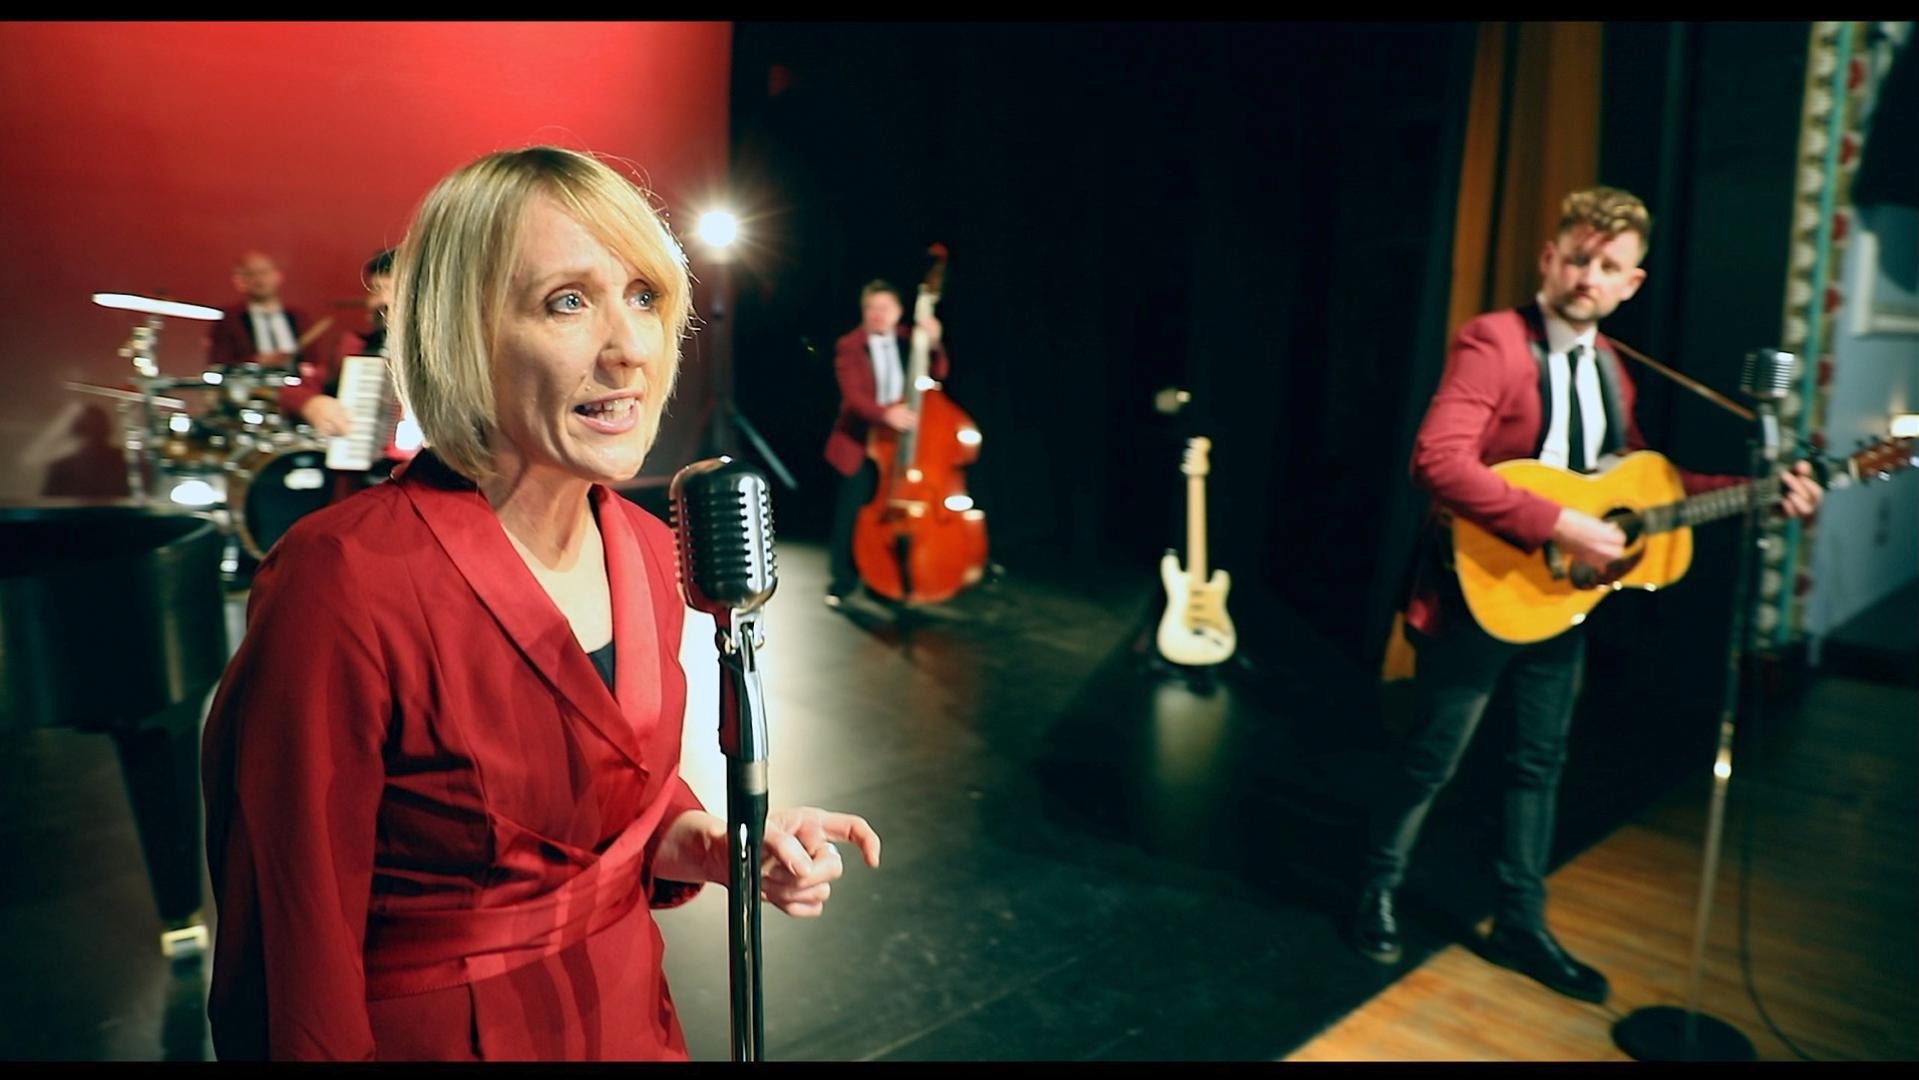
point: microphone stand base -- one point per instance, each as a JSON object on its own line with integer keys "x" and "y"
{"x": 1658, "y": 1033}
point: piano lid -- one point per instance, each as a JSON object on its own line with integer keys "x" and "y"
{"x": 110, "y": 611}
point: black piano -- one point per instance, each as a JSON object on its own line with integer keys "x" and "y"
{"x": 112, "y": 620}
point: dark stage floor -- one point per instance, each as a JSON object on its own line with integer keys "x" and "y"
{"x": 1083, "y": 860}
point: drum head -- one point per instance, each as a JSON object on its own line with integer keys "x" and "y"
{"x": 276, "y": 487}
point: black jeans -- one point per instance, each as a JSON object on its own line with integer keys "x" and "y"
{"x": 1454, "y": 678}
{"x": 855, "y": 492}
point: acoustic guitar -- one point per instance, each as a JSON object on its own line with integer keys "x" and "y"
{"x": 1523, "y": 597}
{"x": 1195, "y": 630}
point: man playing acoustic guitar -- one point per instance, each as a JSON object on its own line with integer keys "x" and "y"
{"x": 1535, "y": 382}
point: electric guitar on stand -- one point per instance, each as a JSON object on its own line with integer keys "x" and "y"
{"x": 1195, "y": 630}
{"x": 1523, "y": 597}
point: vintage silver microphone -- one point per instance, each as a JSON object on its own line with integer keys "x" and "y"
{"x": 1767, "y": 379}
{"x": 723, "y": 521}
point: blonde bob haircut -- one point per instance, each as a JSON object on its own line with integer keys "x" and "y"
{"x": 452, "y": 272}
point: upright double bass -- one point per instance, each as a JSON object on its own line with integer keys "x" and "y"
{"x": 921, "y": 539}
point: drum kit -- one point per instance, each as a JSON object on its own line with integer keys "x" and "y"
{"x": 253, "y": 469}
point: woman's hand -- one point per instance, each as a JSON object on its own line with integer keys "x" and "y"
{"x": 799, "y": 861}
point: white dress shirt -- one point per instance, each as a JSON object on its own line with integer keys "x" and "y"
{"x": 1560, "y": 338}
{"x": 888, "y": 377}
{"x": 271, "y": 330}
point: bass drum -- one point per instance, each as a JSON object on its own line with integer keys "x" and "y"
{"x": 273, "y": 487}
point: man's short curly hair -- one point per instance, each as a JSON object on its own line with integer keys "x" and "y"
{"x": 1609, "y": 210}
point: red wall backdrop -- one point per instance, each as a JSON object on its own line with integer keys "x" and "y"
{"x": 144, "y": 157}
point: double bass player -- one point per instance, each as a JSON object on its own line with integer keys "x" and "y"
{"x": 869, "y": 362}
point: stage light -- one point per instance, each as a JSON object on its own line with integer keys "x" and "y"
{"x": 718, "y": 228}
{"x": 1905, "y": 425}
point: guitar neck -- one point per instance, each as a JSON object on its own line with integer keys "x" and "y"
{"x": 918, "y": 365}
{"x": 1196, "y": 528}
{"x": 1712, "y": 505}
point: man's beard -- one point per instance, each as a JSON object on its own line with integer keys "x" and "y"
{"x": 1564, "y": 309}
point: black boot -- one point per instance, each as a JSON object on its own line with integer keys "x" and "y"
{"x": 1534, "y": 953}
{"x": 1375, "y": 932}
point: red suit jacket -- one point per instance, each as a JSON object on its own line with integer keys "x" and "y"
{"x": 430, "y": 827}
{"x": 859, "y": 394}
{"x": 1490, "y": 408}
{"x": 230, "y": 342}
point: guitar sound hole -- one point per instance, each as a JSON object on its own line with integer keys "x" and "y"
{"x": 1628, "y": 522}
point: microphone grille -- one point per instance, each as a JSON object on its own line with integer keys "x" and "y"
{"x": 1768, "y": 374}
{"x": 723, "y": 520}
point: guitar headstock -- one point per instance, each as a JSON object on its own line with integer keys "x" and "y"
{"x": 1883, "y": 458}
{"x": 1196, "y": 461}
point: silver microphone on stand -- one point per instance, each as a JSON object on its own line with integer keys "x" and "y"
{"x": 1767, "y": 379}
{"x": 723, "y": 521}
{"x": 1666, "y": 1032}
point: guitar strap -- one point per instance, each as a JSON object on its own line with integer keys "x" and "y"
{"x": 1616, "y": 419}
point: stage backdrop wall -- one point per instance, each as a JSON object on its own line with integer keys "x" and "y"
{"x": 144, "y": 157}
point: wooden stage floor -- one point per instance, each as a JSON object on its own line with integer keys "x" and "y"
{"x": 1833, "y": 945}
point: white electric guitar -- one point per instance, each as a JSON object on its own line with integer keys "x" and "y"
{"x": 1195, "y": 631}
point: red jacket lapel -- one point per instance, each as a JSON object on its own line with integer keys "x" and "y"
{"x": 474, "y": 540}
{"x": 637, "y": 652}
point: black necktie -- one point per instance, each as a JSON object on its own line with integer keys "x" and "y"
{"x": 1575, "y": 414}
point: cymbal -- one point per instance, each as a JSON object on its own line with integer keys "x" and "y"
{"x": 119, "y": 393}
{"x": 147, "y": 305}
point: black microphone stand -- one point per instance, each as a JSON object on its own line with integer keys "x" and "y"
{"x": 743, "y": 741}
{"x": 723, "y": 521}
{"x": 1667, "y": 1032}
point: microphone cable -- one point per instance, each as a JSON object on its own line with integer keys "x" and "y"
{"x": 1755, "y": 726}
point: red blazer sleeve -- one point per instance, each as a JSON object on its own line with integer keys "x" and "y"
{"x": 1446, "y": 453}
{"x": 313, "y": 379}
{"x": 320, "y": 371}
{"x": 293, "y": 780}
{"x": 679, "y": 799}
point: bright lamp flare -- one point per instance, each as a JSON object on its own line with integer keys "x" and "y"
{"x": 408, "y": 435}
{"x": 718, "y": 228}
{"x": 194, "y": 493}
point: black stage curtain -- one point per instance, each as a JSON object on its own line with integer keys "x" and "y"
{"x": 1258, "y": 213}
